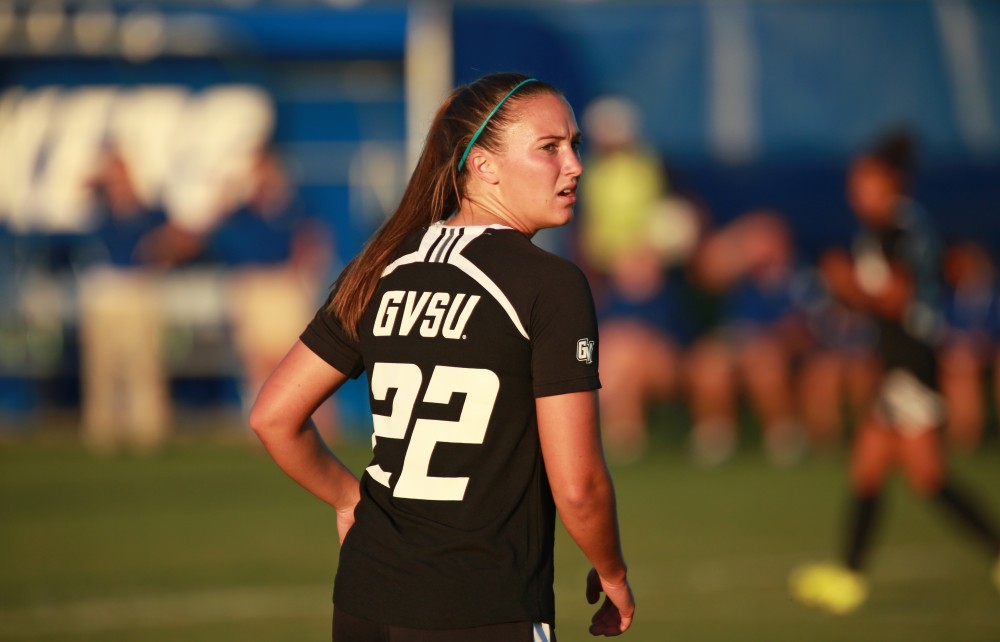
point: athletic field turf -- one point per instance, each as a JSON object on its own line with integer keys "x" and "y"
{"x": 209, "y": 541}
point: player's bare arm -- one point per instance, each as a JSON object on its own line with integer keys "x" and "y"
{"x": 280, "y": 417}
{"x": 585, "y": 498}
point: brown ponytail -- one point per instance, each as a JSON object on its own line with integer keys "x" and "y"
{"x": 435, "y": 188}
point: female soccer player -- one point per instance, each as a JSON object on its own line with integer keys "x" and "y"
{"x": 892, "y": 276}
{"x": 481, "y": 356}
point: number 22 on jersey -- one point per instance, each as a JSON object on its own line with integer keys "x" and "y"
{"x": 480, "y": 387}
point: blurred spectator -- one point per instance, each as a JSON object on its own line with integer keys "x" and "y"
{"x": 970, "y": 340}
{"x": 277, "y": 260}
{"x": 630, "y": 235}
{"x": 750, "y": 262}
{"x": 838, "y": 367}
{"x": 622, "y": 186}
{"x": 125, "y": 395}
{"x": 640, "y": 324}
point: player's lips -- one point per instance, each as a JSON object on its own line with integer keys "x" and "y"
{"x": 568, "y": 193}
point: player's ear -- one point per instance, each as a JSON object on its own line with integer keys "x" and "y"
{"x": 483, "y": 165}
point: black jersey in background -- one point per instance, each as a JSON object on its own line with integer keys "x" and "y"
{"x": 908, "y": 398}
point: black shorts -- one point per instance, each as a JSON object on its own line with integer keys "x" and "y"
{"x": 909, "y": 398}
{"x": 349, "y": 628}
{"x": 901, "y": 350}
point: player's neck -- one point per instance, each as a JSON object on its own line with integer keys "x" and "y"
{"x": 478, "y": 212}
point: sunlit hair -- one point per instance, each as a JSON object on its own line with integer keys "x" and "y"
{"x": 436, "y": 186}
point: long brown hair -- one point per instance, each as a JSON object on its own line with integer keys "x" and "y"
{"x": 436, "y": 187}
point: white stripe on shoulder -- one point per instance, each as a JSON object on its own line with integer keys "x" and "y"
{"x": 487, "y": 284}
{"x": 433, "y": 234}
{"x": 444, "y": 244}
{"x": 542, "y": 631}
{"x": 454, "y": 257}
{"x": 442, "y": 239}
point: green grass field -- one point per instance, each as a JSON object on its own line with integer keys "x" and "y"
{"x": 209, "y": 541}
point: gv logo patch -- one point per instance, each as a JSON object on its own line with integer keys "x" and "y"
{"x": 585, "y": 350}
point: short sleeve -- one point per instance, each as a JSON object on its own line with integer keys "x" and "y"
{"x": 564, "y": 335}
{"x": 326, "y": 337}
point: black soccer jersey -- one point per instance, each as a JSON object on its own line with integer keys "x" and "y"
{"x": 910, "y": 242}
{"x": 455, "y": 524}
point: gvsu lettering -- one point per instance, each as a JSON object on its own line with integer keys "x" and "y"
{"x": 436, "y": 312}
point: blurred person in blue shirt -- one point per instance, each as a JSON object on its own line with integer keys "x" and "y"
{"x": 971, "y": 316}
{"x": 838, "y": 367}
{"x": 277, "y": 259}
{"x": 124, "y": 386}
{"x": 642, "y": 333}
{"x": 750, "y": 265}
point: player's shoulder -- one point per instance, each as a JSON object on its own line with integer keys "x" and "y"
{"x": 511, "y": 256}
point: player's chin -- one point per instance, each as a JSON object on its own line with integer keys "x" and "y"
{"x": 562, "y": 216}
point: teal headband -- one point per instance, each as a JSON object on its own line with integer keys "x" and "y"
{"x": 479, "y": 131}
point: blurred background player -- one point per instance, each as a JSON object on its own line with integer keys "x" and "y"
{"x": 838, "y": 368}
{"x": 631, "y": 236}
{"x": 640, "y": 321}
{"x": 971, "y": 315}
{"x": 893, "y": 275}
{"x": 749, "y": 265}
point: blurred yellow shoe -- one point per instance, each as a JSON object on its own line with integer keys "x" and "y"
{"x": 830, "y": 587}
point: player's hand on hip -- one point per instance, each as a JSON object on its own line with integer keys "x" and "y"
{"x": 345, "y": 520}
{"x": 615, "y": 615}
